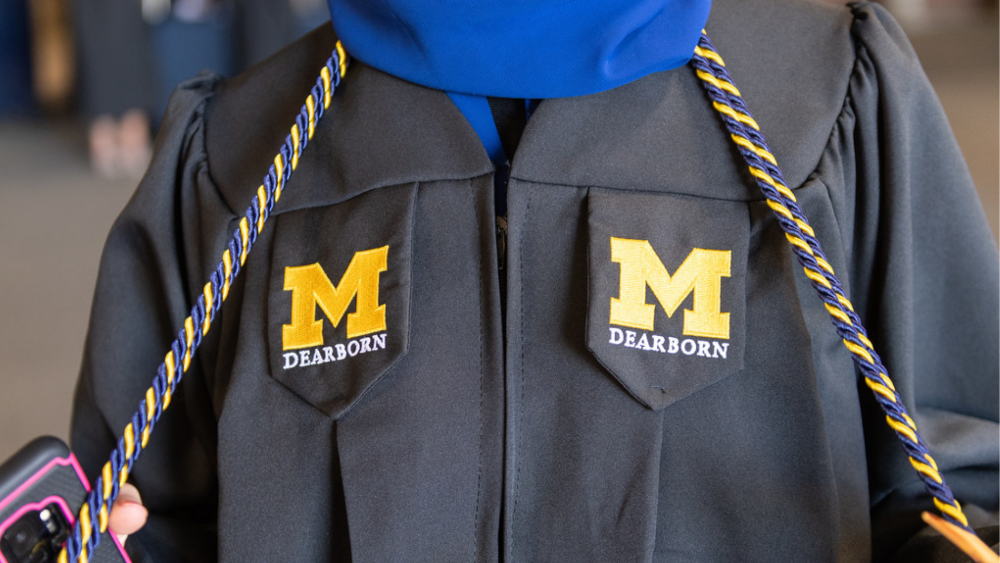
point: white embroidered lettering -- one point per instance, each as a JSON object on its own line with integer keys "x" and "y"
{"x": 337, "y": 352}
{"x": 720, "y": 349}
{"x": 704, "y": 349}
{"x": 629, "y": 339}
{"x": 643, "y": 343}
{"x": 648, "y": 342}
{"x": 658, "y": 343}
{"x": 617, "y": 336}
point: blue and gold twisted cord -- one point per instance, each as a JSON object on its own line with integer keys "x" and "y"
{"x": 744, "y": 131}
{"x": 92, "y": 520}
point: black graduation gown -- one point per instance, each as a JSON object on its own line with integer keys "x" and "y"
{"x": 496, "y": 414}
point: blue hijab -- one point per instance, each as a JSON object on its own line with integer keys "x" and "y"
{"x": 520, "y": 48}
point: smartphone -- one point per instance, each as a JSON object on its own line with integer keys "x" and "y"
{"x": 42, "y": 488}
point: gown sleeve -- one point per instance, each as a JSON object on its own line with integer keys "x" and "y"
{"x": 152, "y": 269}
{"x": 925, "y": 273}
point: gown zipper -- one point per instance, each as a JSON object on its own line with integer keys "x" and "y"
{"x": 500, "y": 205}
{"x": 502, "y": 263}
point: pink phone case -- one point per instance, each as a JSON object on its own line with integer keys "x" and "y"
{"x": 45, "y": 475}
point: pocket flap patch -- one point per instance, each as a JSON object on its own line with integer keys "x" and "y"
{"x": 339, "y": 296}
{"x": 667, "y": 294}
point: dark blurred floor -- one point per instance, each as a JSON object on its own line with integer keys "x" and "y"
{"x": 54, "y": 216}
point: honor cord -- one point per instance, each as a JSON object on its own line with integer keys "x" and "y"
{"x": 92, "y": 521}
{"x": 744, "y": 131}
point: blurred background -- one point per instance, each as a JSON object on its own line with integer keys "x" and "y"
{"x": 82, "y": 83}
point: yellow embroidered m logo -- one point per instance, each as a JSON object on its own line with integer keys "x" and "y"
{"x": 310, "y": 287}
{"x": 701, "y": 273}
